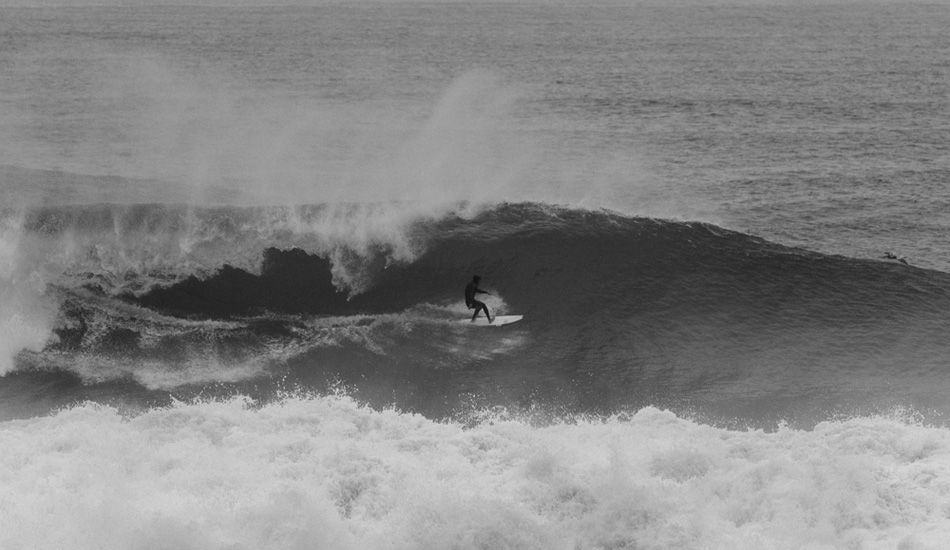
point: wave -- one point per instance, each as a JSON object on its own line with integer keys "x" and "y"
{"x": 620, "y": 312}
{"x": 323, "y": 472}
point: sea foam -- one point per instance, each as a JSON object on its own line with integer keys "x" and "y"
{"x": 325, "y": 472}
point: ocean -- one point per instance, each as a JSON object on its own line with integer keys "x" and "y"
{"x": 234, "y": 242}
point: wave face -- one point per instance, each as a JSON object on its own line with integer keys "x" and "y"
{"x": 161, "y": 302}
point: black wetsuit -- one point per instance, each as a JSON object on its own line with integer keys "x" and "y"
{"x": 470, "y": 290}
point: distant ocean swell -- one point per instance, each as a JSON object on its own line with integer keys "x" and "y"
{"x": 620, "y": 312}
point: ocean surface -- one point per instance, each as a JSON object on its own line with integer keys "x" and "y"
{"x": 233, "y": 245}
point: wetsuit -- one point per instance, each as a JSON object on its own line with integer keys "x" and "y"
{"x": 470, "y": 290}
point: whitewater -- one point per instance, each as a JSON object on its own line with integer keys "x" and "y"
{"x": 327, "y": 473}
{"x": 233, "y": 244}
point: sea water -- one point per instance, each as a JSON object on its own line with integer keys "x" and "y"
{"x": 326, "y": 473}
{"x": 233, "y": 242}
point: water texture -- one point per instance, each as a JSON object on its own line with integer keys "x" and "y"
{"x": 233, "y": 244}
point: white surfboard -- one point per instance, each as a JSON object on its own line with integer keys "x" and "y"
{"x": 497, "y": 321}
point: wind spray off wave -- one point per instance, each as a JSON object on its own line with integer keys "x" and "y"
{"x": 234, "y": 243}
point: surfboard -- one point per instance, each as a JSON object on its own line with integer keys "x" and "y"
{"x": 498, "y": 320}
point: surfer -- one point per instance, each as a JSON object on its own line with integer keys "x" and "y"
{"x": 470, "y": 291}
{"x": 892, "y": 256}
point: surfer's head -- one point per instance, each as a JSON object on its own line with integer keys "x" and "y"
{"x": 476, "y": 278}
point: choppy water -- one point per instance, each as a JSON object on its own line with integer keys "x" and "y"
{"x": 233, "y": 244}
